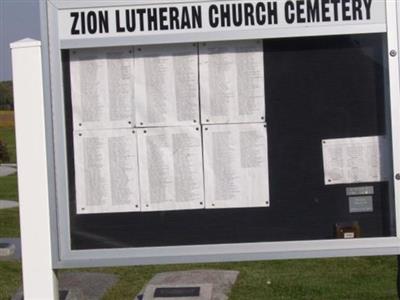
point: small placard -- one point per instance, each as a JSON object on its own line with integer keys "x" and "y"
{"x": 349, "y": 235}
{"x": 360, "y": 190}
{"x": 201, "y": 291}
{"x": 348, "y": 230}
{"x": 360, "y": 204}
{"x": 173, "y": 292}
{"x": 355, "y": 160}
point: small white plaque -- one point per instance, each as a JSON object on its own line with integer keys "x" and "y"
{"x": 355, "y": 160}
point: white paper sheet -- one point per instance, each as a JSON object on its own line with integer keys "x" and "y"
{"x": 166, "y": 85}
{"x": 106, "y": 171}
{"x": 171, "y": 170}
{"x": 355, "y": 160}
{"x": 232, "y": 82}
{"x": 102, "y": 88}
{"x": 236, "y": 165}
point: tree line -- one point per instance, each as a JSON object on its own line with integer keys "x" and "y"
{"x": 6, "y": 95}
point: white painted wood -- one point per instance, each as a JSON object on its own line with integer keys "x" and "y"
{"x": 39, "y": 278}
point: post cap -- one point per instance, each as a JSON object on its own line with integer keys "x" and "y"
{"x": 25, "y": 43}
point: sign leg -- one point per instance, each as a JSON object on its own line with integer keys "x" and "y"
{"x": 39, "y": 278}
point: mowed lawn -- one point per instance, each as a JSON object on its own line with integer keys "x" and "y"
{"x": 9, "y": 187}
{"x": 9, "y": 223}
{"x": 320, "y": 279}
{"x": 369, "y": 278}
{"x": 7, "y": 133}
{"x": 6, "y": 119}
{"x": 9, "y": 218}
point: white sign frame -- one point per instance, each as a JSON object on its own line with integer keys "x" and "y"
{"x": 64, "y": 257}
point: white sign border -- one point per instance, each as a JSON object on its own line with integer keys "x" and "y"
{"x": 64, "y": 257}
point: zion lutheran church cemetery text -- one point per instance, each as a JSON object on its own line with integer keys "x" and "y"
{"x": 206, "y": 15}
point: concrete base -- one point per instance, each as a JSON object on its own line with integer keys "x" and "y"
{"x": 213, "y": 284}
{"x": 7, "y": 169}
{"x": 7, "y": 249}
{"x": 63, "y": 295}
{"x": 5, "y": 204}
{"x": 81, "y": 286}
{"x": 16, "y": 251}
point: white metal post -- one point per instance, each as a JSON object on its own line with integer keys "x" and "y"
{"x": 39, "y": 278}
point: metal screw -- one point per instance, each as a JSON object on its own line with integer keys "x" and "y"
{"x": 397, "y": 176}
{"x": 393, "y": 53}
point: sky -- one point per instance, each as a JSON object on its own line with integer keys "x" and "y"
{"x": 18, "y": 19}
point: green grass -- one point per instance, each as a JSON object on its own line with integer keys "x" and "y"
{"x": 9, "y": 222}
{"x": 9, "y": 187}
{"x": 7, "y": 132}
{"x": 7, "y": 119}
{"x": 10, "y": 279}
{"x": 8, "y": 136}
{"x": 350, "y": 278}
{"x": 9, "y": 218}
{"x": 328, "y": 279}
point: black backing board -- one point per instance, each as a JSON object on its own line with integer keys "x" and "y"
{"x": 316, "y": 88}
